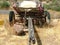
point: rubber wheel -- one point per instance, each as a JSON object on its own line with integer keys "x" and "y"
{"x": 11, "y": 16}
{"x": 47, "y": 17}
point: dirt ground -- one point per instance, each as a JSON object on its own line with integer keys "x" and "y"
{"x": 48, "y": 35}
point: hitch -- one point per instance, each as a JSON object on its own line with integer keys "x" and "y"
{"x": 31, "y": 31}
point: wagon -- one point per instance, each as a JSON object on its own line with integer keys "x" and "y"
{"x": 30, "y": 13}
{"x": 31, "y": 9}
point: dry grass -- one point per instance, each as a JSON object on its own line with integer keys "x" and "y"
{"x": 45, "y": 36}
{"x": 50, "y": 35}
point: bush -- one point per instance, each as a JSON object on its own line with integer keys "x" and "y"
{"x": 47, "y": 6}
{"x": 5, "y": 4}
{"x": 0, "y": 4}
{"x": 55, "y": 5}
{"x": 56, "y": 8}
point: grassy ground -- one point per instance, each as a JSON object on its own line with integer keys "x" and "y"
{"x": 45, "y": 36}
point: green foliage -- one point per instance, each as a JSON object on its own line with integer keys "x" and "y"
{"x": 4, "y": 4}
{"x": 0, "y": 4}
{"x": 47, "y": 6}
{"x": 55, "y": 5}
{"x": 56, "y": 8}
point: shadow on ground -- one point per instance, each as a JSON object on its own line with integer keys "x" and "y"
{"x": 37, "y": 38}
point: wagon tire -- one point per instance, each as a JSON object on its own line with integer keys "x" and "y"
{"x": 47, "y": 17}
{"x": 11, "y": 17}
